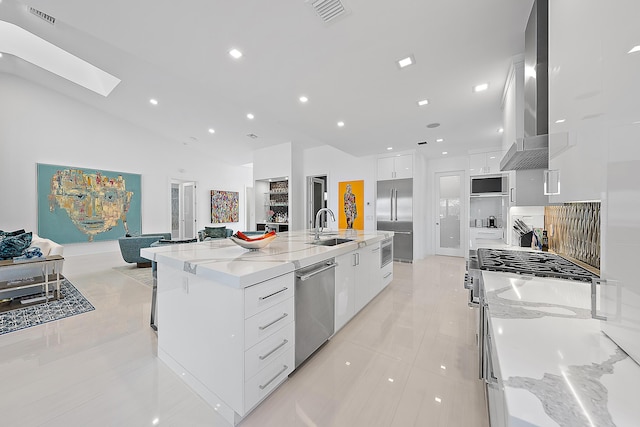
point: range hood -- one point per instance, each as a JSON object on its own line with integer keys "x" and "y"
{"x": 527, "y": 153}
{"x": 532, "y": 151}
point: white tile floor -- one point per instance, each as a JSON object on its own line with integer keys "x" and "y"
{"x": 408, "y": 359}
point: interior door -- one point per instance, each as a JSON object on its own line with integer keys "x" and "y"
{"x": 183, "y": 209}
{"x": 449, "y": 207}
{"x": 316, "y": 199}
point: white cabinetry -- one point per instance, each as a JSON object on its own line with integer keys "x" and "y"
{"x": 345, "y": 289}
{"x": 485, "y": 236}
{"x": 485, "y": 163}
{"x": 395, "y": 167}
{"x": 359, "y": 279}
{"x": 526, "y": 188}
{"x": 233, "y": 346}
{"x": 368, "y": 281}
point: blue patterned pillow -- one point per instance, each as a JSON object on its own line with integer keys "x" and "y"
{"x": 12, "y": 246}
{"x": 10, "y": 233}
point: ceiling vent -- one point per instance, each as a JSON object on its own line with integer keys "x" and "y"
{"x": 252, "y": 135}
{"x": 328, "y": 10}
{"x": 47, "y": 18}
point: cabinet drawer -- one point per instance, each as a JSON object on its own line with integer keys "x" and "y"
{"x": 387, "y": 274}
{"x": 267, "y": 322}
{"x": 486, "y": 233}
{"x": 264, "y": 382}
{"x": 267, "y": 294}
{"x": 267, "y": 350}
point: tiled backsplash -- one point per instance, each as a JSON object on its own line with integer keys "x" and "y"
{"x": 573, "y": 229}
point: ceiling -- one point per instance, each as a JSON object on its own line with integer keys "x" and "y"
{"x": 177, "y": 53}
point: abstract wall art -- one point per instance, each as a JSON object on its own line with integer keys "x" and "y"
{"x": 351, "y": 205}
{"x": 224, "y": 206}
{"x": 84, "y": 205}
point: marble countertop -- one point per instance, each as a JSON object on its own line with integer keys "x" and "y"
{"x": 556, "y": 366}
{"x": 225, "y": 262}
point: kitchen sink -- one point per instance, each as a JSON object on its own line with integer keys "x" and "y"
{"x": 331, "y": 242}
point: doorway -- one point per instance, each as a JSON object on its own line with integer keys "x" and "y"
{"x": 183, "y": 209}
{"x": 316, "y": 199}
{"x": 449, "y": 207}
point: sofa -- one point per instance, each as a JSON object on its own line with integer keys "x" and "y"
{"x": 130, "y": 247}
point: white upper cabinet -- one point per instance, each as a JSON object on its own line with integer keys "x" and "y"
{"x": 485, "y": 163}
{"x": 513, "y": 104}
{"x": 395, "y": 167}
{"x": 578, "y": 96}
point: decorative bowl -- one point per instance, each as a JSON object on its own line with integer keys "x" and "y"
{"x": 253, "y": 244}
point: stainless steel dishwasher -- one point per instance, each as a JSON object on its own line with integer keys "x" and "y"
{"x": 315, "y": 307}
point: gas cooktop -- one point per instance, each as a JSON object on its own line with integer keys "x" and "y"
{"x": 540, "y": 264}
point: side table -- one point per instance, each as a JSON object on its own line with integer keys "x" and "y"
{"x": 50, "y": 268}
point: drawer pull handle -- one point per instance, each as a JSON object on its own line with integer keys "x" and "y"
{"x": 284, "y": 368}
{"x": 270, "y": 295}
{"x": 274, "y": 350}
{"x": 262, "y": 328}
{"x": 387, "y": 275}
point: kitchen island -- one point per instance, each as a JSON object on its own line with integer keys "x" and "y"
{"x": 549, "y": 363}
{"x": 226, "y": 317}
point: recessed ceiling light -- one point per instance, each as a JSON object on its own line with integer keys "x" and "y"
{"x": 340, "y": 124}
{"x": 235, "y": 53}
{"x": 405, "y": 62}
{"x": 250, "y": 116}
{"x": 153, "y": 101}
{"x": 561, "y": 120}
{"x": 444, "y": 153}
{"x": 439, "y": 140}
{"x": 481, "y": 87}
{"x": 634, "y": 49}
{"x": 212, "y": 130}
{"x": 303, "y": 99}
{"x": 492, "y": 157}
{"x": 500, "y": 130}
{"x": 438, "y": 400}
{"x": 423, "y": 102}
{"x": 389, "y": 148}
{"x": 390, "y": 380}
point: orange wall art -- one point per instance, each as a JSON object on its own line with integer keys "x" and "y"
{"x": 351, "y": 205}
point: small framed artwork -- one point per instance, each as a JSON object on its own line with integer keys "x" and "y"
{"x": 224, "y": 206}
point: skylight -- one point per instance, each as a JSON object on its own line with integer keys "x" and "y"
{"x": 19, "y": 42}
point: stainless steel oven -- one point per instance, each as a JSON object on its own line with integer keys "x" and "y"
{"x": 386, "y": 252}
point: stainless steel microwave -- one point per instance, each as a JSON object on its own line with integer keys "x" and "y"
{"x": 490, "y": 185}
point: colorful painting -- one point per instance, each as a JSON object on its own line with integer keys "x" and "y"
{"x": 224, "y": 206}
{"x": 78, "y": 205}
{"x": 351, "y": 205}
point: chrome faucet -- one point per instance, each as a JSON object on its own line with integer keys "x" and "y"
{"x": 317, "y": 225}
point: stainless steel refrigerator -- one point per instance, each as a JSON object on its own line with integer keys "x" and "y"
{"x": 394, "y": 212}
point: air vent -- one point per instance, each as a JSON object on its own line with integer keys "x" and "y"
{"x": 328, "y": 10}
{"x": 47, "y": 18}
{"x": 252, "y": 135}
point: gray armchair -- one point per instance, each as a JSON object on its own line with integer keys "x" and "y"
{"x": 130, "y": 247}
{"x": 202, "y": 236}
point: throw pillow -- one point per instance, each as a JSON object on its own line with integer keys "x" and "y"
{"x": 215, "y": 232}
{"x": 11, "y": 233}
{"x": 12, "y": 246}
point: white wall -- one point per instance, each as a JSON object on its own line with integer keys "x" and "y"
{"x": 340, "y": 166}
{"x": 38, "y": 125}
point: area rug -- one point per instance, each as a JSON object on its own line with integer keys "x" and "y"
{"x": 142, "y": 275}
{"x": 71, "y": 303}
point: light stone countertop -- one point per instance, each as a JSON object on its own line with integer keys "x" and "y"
{"x": 556, "y": 366}
{"x": 225, "y": 262}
